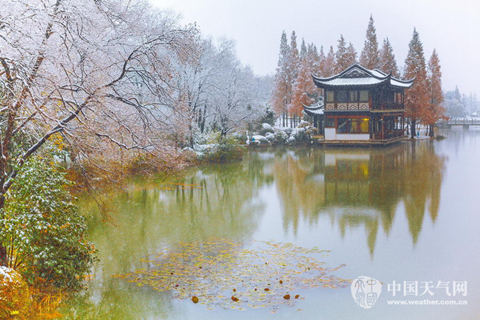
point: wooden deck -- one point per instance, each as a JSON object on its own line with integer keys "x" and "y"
{"x": 355, "y": 143}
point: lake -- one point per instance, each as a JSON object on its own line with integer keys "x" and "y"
{"x": 409, "y": 212}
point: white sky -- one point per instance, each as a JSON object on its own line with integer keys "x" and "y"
{"x": 452, "y": 27}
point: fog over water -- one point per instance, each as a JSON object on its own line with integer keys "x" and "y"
{"x": 449, "y": 26}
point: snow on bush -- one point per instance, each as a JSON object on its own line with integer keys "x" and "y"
{"x": 291, "y": 139}
{"x": 267, "y": 127}
{"x": 280, "y": 136}
{"x": 270, "y": 136}
{"x": 258, "y": 139}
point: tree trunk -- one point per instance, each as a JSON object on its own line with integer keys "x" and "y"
{"x": 3, "y": 256}
{"x": 412, "y": 128}
{"x": 3, "y": 250}
{"x": 431, "y": 133}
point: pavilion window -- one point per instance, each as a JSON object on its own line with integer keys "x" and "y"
{"x": 363, "y": 95}
{"x": 398, "y": 97}
{"x": 329, "y": 122}
{"x": 353, "y": 96}
{"x": 390, "y": 96}
{"x": 342, "y": 96}
{"x": 330, "y": 96}
{"x": 355, "y": 125}
{"x": 344, "y": 125}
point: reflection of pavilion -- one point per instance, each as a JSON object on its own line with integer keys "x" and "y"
{"x": 363, "y": 187}
{"x": 358, "y": 189}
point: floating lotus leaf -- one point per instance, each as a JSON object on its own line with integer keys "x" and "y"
{"x": 211, "y": 271}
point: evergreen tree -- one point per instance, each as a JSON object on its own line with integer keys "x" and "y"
{"x": 369, "y": 57}
{"x": 321, "y": 71}
{"x": 303, "y": 50}
{"x": 304, "y": 88}
{"x": 417, "y": 97}
{"x": 351, "y": 55}
{"x": 293, "y": 68}
{"x": 435, "y": 110}
{"x": 330, "y": 63}
{"x": 387, "y": 62}
{"x": 282, "y": 86}
{"x": 342, "y": 59}
{"x": 294, "y": 59}
{"x": 312, "y": 54}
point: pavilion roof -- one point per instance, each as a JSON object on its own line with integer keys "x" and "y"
{"x": 315, "y": 109}
{"x": 359, "y": 76}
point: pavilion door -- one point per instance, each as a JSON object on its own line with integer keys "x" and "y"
{"x": 377, "y": 128}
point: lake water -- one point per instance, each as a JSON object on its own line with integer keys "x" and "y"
{"x": 409, "y": 212}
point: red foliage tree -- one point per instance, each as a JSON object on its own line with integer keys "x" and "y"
{"x": 417, "y": 97}
{"x": 434, "y": 110}
{"x": 369, "y": 58}
{"x": 387, "y": 61}
{"x": 283, "y": 84}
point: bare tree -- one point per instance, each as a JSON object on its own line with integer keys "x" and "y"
{"x": 92, "y": 70}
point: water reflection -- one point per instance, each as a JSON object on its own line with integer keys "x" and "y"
{"x": 150, "y": 216}
{"x": 360, "y": 187}
{"x": 353, "y": 188}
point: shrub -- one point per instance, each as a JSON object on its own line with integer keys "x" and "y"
{"x": 226, "y": 150}
{"x": 43, "y": 228}
{"x": 268, "y": 117}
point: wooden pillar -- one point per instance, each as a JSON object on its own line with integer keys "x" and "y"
{"x": 370, "y": 127}
{"x": 383, "y": 128}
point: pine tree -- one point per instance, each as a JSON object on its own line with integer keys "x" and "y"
{"x": 321, "y": 71}
{"x": 387, "y": 62}
{"x": 282, "y": 86}
{"x": 351, "y": 55}
{"x": 303, "y": 50}
{"x": 435, "y": 110}
{"x": 293, "y": 59}
{"x": 304, "y": 88}
{"x": 342, "y": 58}
{"x": 330, "y": 63}
{"x": 416, "y": 98}
{"x": 312, "y": 54}
{"x": 369, "y": 57}
{"x": 293, "y": 68}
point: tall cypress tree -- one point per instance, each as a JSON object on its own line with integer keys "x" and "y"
{"x": 416, "y": 98}
{"x": 435, "y": 110}
{"x": 304, "y": 88}
{"x": 293, "y": 69}
{"x": 330, "y": 64}
{"x": 387, "y": 63}
{"x": 303, "y": 50}
{"x": 322, "y": 71}
{"x": 293, "y": 59}
{"x": 282, "y": 86}
{"x": 342, "y": 60}
{"x": 351, "y": 54}
{"x": 369, "y": 57}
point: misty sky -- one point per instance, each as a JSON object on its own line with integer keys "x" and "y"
{"x": 452, "y": 27}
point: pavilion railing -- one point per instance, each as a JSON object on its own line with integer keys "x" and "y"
{"x": 388, "y": 106}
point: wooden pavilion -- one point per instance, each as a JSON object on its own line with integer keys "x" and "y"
{"x": 361, "y": 106}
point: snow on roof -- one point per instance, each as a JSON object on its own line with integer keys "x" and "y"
{"x": 353, "y": 81}
{"x": 378, "y": 73}
{"x": 402, "y": 84}
{"x": 316, "y": 108}
{"x": 356, "y": 75}
{"x": 316, "y": 112}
